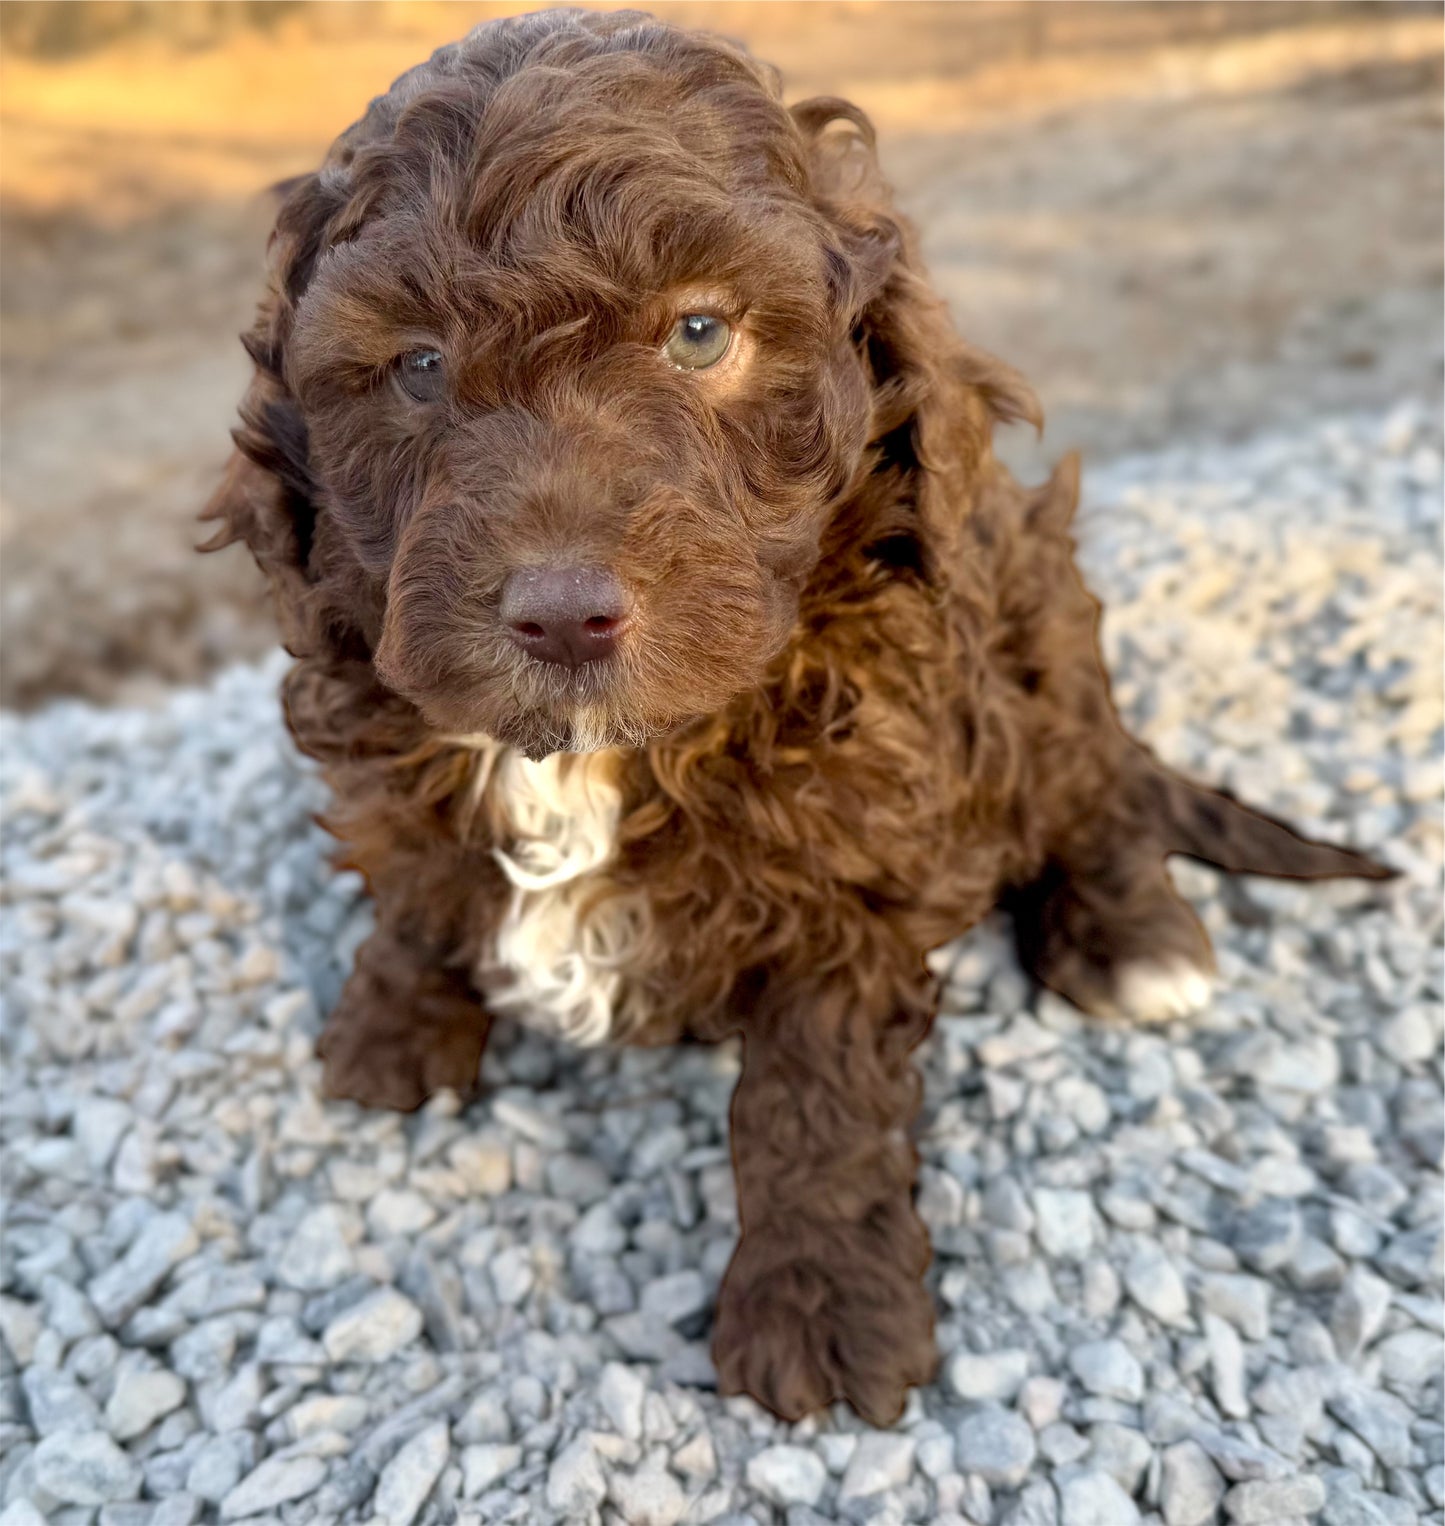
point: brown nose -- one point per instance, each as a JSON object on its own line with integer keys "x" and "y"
{"x": 566, "y": 615}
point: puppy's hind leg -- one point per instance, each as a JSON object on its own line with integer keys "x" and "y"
{"x": 1103, "y": 924}
{"x": 1108, "y": 931}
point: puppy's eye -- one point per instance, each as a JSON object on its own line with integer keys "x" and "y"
{"x": 422, "y": 374}
{"x": 698, "y": 341}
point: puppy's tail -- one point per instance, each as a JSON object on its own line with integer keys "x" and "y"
{"x": 1211, "y": 825}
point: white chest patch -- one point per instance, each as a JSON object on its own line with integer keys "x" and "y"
{"x": 557, "y": 963}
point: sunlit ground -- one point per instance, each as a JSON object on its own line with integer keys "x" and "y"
{"x": 1175, "y": 219}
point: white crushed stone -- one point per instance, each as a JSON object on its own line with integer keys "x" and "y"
{"x": 409, "y": 1477}
{"x": 787, "y": 1475}
{"x": 1185, "y": 1275}
{"x": 880, "y": 1462}
{"x": 990, "y": 1375}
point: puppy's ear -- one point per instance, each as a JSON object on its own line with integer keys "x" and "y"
{"x": 850, "y": 191}
{"x": 254, "y": 506}
{"x": 267, "y": 497}
{"x": 936, "y": 399}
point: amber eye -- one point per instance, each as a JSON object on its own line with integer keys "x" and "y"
{"x": 697, "y": 341}
{"x": 422, "y": 374}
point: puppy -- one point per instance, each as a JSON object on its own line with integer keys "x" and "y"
{"x": 679, "y": 657}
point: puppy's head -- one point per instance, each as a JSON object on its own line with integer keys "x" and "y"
{"x": 562, "y": 363}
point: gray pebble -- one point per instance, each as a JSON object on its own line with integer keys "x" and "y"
{"x": 56, "y": 1402}
{"x": 374, "y": 1329}
{"x": 1190, "y": 1487}
{"x": 1064, "y": 1222}
{"x": 1089, "y": 1498}
{"x": 162, "y": 1244}
{"x": 880, "y": 1463}
{"x": 179, "y": 1509}
{"x": 205, "y": 1352}
{"x": 1241, "y": 1299}
{"x": 787, "y": 1475}
{"x": 22, "y": 1512}
{"x": 1413, "y": 1259}
{"x": 996, "y": 1445}
{"x": 1409, "y": 1358}
{"x": 1256, "y": 1503}
{"x": 1267, "y": 1235}
{"x": 85, "y": 1468}
{"x": 68, "y": 1311}
{"x": 1349, "y": 1503}
{"x": 139, "y": 1399}
{"x": 275, "y": 1482}
{"x": 649, "y": 1497}
{"x": 513, "y": 1275}
{"x": 219, "y": 1465}
{"x": 486, "y": 1464}
{"x": 1121, "y": 1452}
{"x": 1154, "y": 1283}
{"x": 1381, "y": 1421}
{"x": 1226, "y": 1361}
{"x": 1062, "y": 1444}
{"x": 621, "y": 1392}
{"x": 410, "y": 1476}
{"x": 576, "y": 1483}
{"x": 318, "y": 1255}
{"x": 675, "y": 1298}
{"x": 1108, "y": 1368}
{"x": 988, "y": 1375}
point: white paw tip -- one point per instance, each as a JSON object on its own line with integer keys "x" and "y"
{"x": 1159, "y": 993}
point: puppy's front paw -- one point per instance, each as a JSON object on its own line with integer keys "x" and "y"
{"x": 393, "y": 1049}
{"x": 797, "y": 1337}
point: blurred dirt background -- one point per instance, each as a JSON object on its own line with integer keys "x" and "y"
{"x": 1177, "y": 219}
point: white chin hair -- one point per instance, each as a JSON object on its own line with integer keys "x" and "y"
{"x": 591, "y": 731}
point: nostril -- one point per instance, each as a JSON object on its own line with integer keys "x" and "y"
{"x": 565, "y": 615}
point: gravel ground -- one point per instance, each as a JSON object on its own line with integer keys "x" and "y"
{"x": 1184, "y": 1275}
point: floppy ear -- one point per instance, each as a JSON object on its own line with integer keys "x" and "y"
{"x": 935, "y": 397}
{"x": 850, "y": 191}
{"x": 267, "y": 497}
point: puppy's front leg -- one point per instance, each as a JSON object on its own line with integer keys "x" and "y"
{"x": 406, "y": 1026}
{"x": 824, "y": 1298}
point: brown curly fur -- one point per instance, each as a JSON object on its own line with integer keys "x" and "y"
{"x": 862, "y": 703}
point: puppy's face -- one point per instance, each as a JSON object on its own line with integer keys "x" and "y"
{"x": 580, "y": 389}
